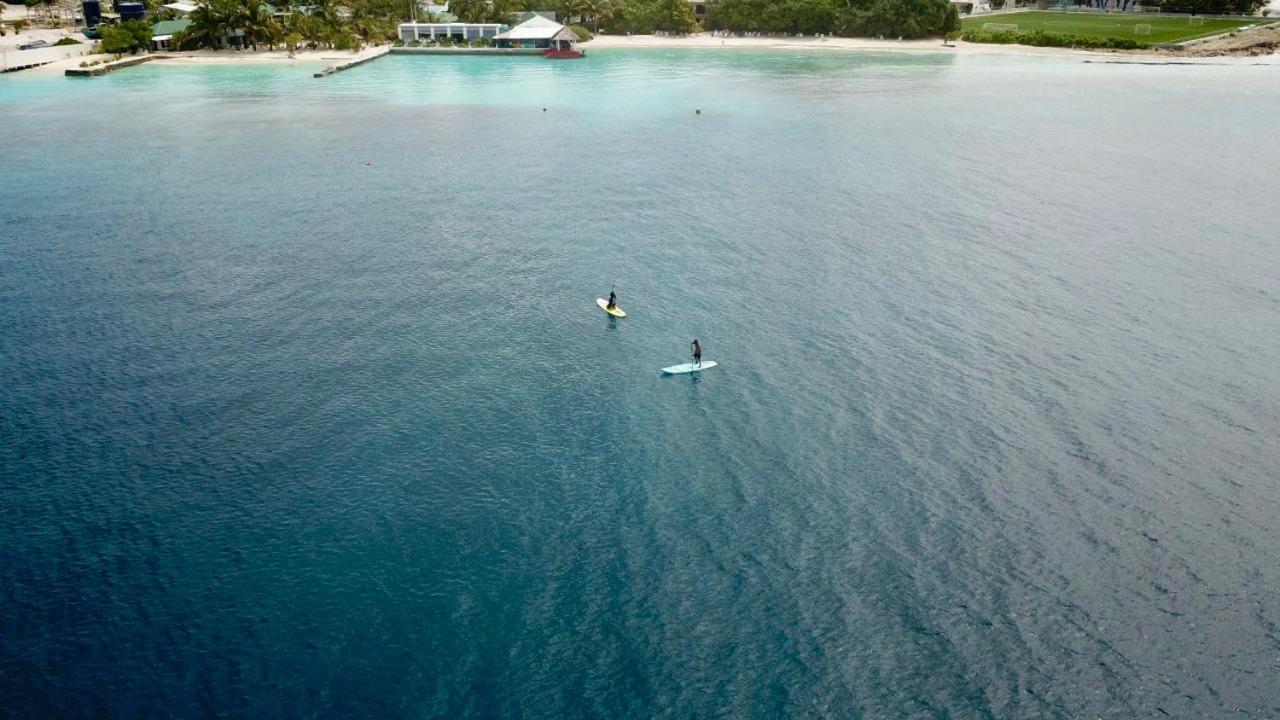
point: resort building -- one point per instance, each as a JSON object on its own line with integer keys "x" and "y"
{"x": 162, "y": 32}
{"x": 430, "y": 32}
{"x": 968, "y": 7}
{"x": 538, "y": 32}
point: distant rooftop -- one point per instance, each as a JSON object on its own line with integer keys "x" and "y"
{"x": 169, "y": 27}
{"x": 535, "y": 28}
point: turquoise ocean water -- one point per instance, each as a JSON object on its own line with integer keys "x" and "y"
{"x": 995, "y": 433}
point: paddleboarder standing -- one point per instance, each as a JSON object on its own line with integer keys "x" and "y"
{"x": 697, "y": 352}
{"x": 612, "y": 304}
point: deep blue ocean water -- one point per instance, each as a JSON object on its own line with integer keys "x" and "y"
{"x": 996, "y": 431}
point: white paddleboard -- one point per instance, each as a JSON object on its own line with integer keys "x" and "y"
{"x": 604, "y": 305}
{"x": 688, "y": 367}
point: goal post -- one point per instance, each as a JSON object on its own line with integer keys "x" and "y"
{"x": 1195, "y": 22}
{"x": 1000, "y": 27}
{"x": 1142, "y": 29}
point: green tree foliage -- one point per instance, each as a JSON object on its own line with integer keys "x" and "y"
{"x": 848, "y": 18}
{"x": 483, "y": 11}
{"x": 569, "y": 11}
{"x": 257, "y": 24}
{"x": 906, "y": 18}
{"x": 130, "y": 36}
{"x": 1040, "y": 38}
{"x": 642, "y": 17}
{"x": 675, "y": 16}
{"x": 596, "y": 12}
{"x": 951, "y": 23}
{"x": 345, "y": 40}
{"x": 632, "y": 16}
{"x": 317, "y": 23}
{"x": 140, "y": 32}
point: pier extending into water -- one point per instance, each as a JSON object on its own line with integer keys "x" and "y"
{"x": 373, "y": 54}
{"x": 104, "y": 68}
{"x": 388, "y": 50}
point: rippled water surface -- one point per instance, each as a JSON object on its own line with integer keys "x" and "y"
{"x": 995, "y": 433}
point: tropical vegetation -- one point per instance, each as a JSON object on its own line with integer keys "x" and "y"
{"x": 847, "y": 18}
{"x": 317, "y": 24}
{"x": 1040, "y": 38}
{"x": 129, "y": 36}
{"x": 349, "y": 24}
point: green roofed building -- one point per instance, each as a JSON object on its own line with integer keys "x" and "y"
{"x": 162, "y": 32}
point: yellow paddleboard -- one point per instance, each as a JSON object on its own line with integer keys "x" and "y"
{"x": 604, "y": 305}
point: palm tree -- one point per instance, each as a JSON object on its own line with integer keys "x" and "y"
{"x": 208, "y": 26}
{"x": 315, "y": 31}
{"x": 326, "y": 11}
{"x": 570, "y": 9}
{"x": 258, "y": 24}
{"x": 596, "y": 10}
{"x": 502, "y": 11}
{"x": 468, "y": 11}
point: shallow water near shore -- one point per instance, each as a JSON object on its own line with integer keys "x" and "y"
{"x": 995, "y": 430}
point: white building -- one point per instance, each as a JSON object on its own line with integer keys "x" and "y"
{"x": 538, "y": 32}
{"x": 430, "y": 32}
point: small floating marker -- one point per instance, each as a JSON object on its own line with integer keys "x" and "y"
{"x": 369, "y": 163}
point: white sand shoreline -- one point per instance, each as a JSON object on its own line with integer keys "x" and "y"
{"x": 706, "y": 41}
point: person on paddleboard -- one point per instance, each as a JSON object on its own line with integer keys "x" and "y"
{"x": 612, "y": 304}
{"x": 697, "y": 351}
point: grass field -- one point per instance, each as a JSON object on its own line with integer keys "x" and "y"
{"x": 1164, "y": 28}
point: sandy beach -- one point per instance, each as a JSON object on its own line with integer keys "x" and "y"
{"x": 710, "y": 42}
{"x": 706, "y": 41}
